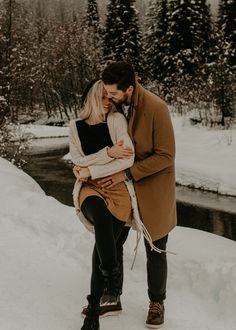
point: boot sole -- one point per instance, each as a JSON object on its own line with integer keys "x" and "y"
{"x": 114, "y": 313}
{"x": 153, "y": 326}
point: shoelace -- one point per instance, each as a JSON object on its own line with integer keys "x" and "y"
{"x": 142, "y": 229}
{"x": 156, "y": 307}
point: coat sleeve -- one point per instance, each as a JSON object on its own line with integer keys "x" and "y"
{"x": 121, "y": 133}
{"x": 78, "y": 158}
{"x": 163, "y": 155}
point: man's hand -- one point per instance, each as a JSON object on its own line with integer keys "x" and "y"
{"x": 111, "y": 180}
{"x": 119, "y": 151}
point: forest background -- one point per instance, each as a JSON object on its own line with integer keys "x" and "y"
{"x": 183, "y": 50}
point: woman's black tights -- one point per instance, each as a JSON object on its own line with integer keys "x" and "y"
{"x": 107, "y": 231}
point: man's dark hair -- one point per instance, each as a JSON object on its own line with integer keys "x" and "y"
{"x": 120, "y": 73}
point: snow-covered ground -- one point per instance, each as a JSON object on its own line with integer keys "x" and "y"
{"x": 45, "y": 266}
{"x": 43, "y": 131}
{"x": 205, "y": 158}
{"x": 45, "y": 139}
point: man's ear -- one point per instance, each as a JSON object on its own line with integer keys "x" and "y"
{"x": 130, "y": 89}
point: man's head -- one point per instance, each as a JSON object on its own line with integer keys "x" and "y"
{"x": 119, "y": 81}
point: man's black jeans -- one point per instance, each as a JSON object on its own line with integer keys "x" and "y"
{"x": 156, "y": 266}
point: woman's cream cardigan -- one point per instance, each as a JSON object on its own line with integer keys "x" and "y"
{"x": 101, "y": 165}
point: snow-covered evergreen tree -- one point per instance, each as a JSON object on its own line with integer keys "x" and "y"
{"x": 204, "y": 39}
{"x": 189, "y": 37}
{"x": 92, "y": 17}
{"x": 91, "y": 39}
{"x": 181, "y": 58}
{"x": 122, "y": 37}
{"x": 224, "y": 75}
{"x": 154, "y": 40}
{"x": 189, "y": 44}
{"x": 227, "y": 29}
{"x": 110, "y": 31}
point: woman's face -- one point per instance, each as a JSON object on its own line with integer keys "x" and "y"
{"x": 107, "y": 103}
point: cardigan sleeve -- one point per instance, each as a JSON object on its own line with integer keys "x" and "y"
{"x": 120, "y": 130}
{"x": 77, "y": 156}
{"x": 163, "y": 147}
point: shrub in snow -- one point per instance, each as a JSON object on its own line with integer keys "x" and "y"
{"x": 13, "y": 143}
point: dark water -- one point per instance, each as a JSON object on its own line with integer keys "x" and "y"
{"x": 196, "y": 209}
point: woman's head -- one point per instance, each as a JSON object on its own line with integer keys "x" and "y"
{"x": 95, "y": 102}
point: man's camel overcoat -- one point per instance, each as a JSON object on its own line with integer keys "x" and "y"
{"x": 151, "y": 131}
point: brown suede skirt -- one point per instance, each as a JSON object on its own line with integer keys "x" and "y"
{"x": 117, "y": 198}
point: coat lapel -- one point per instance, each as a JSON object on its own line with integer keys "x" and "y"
{"x": 130, "y": 125}
{"x": 133, "y": 117}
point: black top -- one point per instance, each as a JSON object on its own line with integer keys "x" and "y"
{"x": 93, "y": 137}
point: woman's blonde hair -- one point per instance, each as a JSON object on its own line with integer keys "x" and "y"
{"x": 92, "y": 105}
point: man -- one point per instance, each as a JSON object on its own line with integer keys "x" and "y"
{"x": 153, "y": 174}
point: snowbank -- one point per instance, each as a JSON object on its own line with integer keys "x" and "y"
{"x": 205, "y": 158}
{"x": 45, "y": 268}
{"x": 43, "y": 131}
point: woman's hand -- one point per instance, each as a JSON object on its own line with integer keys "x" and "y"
{"x": 81, "y": 173}
{"x": 119, "y": 151}
{"x": 84, "y": 173}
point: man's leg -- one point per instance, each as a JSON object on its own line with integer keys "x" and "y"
{"x": 156, "y": 279}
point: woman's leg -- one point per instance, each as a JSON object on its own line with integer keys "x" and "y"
{"x": 97, "y": 281}
{"x": 119, "y": 245}
{"x": 104, "y": 267}
{"x": 107, "y": 232}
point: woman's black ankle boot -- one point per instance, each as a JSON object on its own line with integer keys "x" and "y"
{"x": 111, "y": 293}
{"x": 91, "y": 321}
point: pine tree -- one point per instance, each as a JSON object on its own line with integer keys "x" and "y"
{"x": 227, "y": 29}
{"x": 122, "y": 38}
{"x": 92, "y": 41}
{"x": 204, "y": 38}
{"x": 92, "y": 17}
{"x": 224, "y": 75}
{"x": 155, "y": 39}
{"x": 110, "y": 32}
{"x": 181, "y": 58}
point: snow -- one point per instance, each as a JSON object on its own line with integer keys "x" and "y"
{"x": 45, "y": 264}
{"x": 205, "y": 158}
{"x": 43, "y": 131}
{"x": 48, "y": 145}
{"x": 44, "y": 138}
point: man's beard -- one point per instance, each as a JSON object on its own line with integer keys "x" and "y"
{"x": 124, "y": 101}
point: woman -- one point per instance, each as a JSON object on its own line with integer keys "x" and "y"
{"x": 101, "y": 146}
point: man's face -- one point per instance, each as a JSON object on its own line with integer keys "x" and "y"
{"x": 117, "y": 95}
